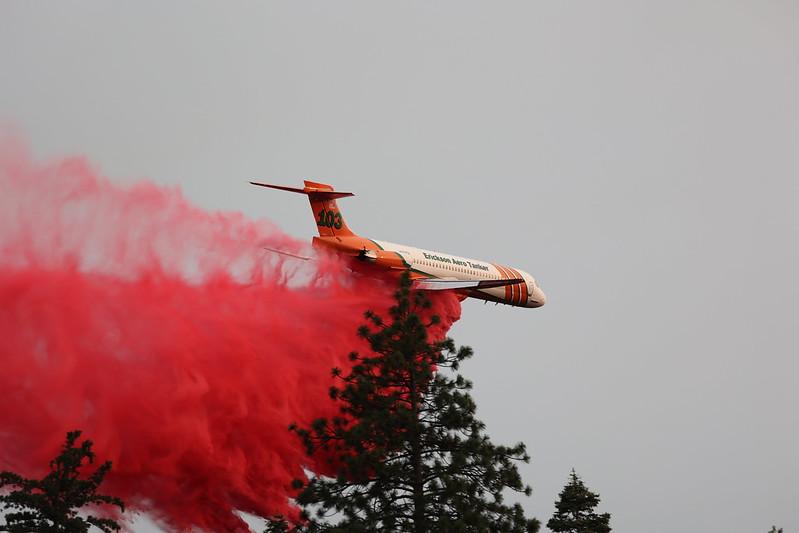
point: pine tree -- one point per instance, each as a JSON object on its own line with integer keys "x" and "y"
{"x": 575, "y": 510}
{"x": 51, "y": 504}
{"x": 409, "y": 454}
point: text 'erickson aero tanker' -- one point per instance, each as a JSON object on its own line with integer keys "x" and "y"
{"x": 429, "y": 270}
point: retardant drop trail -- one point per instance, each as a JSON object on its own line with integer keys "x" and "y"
{"x": 169, "y": 337}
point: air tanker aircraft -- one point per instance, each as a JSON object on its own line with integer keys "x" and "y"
{"x": 428, "y": 270}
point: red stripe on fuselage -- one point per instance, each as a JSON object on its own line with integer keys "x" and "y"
{"x": 517, "y": 291}
{"x": 522, "y": 287}
{"x": 509, "y": 291}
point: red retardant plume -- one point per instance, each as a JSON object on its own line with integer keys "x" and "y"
{"x": 170, "y": 337}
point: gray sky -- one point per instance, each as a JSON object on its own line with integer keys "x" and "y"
{"x": 641, "y": 159}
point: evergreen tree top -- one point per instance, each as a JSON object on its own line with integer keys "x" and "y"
{"x": 406, "y": 452}
{"x": 575, "y": 510}
{"x": 51, "y": 504}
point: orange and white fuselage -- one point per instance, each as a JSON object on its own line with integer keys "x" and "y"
{"x": 429, "y": 270}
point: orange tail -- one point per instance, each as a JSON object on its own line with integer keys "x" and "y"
{"x": 329, "y": 220}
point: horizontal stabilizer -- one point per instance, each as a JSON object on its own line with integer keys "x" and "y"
{"x": 318, "y": 190}
{"x": 443, "y": 284}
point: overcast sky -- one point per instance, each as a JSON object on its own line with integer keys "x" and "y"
{"x": 641, "y": 159}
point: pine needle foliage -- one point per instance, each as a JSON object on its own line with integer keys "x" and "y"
{"x": 410, "y": 454}
{"x": 51, "y": 504}
{"x": 575, "y": 510}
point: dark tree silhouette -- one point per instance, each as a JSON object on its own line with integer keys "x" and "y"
{"x": 409, "y": 452}
{"x": 575, "y": 510}
{"x": 51, "y": 504}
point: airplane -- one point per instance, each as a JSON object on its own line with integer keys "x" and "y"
{"x": 428, "y": 270}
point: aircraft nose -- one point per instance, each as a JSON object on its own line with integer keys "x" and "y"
{"x": 537, "y": 297}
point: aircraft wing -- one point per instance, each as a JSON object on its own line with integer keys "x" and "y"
{"x": 443, "y": 284}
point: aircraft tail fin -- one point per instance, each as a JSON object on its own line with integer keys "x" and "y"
{"x": 329, "y": 220}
